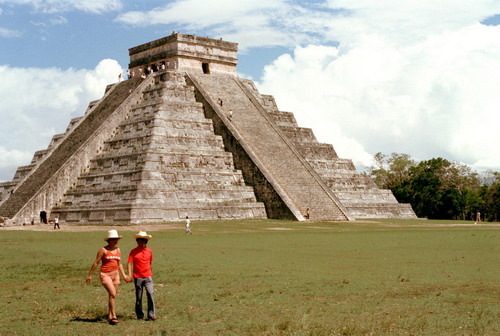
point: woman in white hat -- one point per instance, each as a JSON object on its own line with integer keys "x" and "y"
{"x": 110, "y": 257}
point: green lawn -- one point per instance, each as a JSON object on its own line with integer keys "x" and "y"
{"x": 387, "y": 277}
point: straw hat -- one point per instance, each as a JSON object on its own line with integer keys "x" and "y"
{"x": 143, "y": 235}
{"x": 112, "y": 234}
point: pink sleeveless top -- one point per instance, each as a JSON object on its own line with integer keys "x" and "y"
{"x": 110, "y": 261}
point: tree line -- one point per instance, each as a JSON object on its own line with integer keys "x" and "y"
{"x": 438, "y": 188}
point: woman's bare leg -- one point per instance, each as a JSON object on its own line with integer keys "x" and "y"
{"x": 111, "y": 289}
{"x": 114, "y": 300}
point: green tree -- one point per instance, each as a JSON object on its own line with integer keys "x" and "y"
{"x": 436, "y": 188}
{"x": 427, "y": 188}
{"x": 490, "y": 195}
{"x": 391, "y": 171}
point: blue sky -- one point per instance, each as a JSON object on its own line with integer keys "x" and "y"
{"x": 58, "y": 34}
{"x": 416, "y": 77}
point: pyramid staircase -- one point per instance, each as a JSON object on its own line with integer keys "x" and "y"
{"x": 291, "y": 176}
{"x": 356, "y": 191}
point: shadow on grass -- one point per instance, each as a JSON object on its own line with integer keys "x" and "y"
{"x": 97, "y": 319}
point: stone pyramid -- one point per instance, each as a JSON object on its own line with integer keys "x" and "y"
{"x": 184, "y": 136}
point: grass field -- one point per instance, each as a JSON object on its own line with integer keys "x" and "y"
{"x": 387, "y": 277}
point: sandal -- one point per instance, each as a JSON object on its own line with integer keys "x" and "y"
{"x": 113, "y": 321}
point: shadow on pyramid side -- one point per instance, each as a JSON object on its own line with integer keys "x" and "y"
{"x": 184, "y": 136}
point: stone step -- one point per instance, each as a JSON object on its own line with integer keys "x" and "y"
{"x": 317, "y": 152}
{"x": 197, "y": 158}
{"x": 38, "y": 155}
{"x": 174, "y": 182}
{"x": 22, "y": 171}
{"x": 55, "y": 139}
{"x": 165, "y": 94}
{"x": 187, "y": 143}
{"x": 299, "y": 134}
{"x": 142, "y": 214}
{"x": 72, "y": 123}
{"x": 395, "y": 211}
{"x": 333, "y": 166}
{"x": 5, "y": 189}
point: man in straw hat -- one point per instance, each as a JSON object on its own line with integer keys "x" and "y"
{"x": 142, "y": 257}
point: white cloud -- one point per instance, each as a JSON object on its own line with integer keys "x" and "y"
{"x": 294, "y": 22}
{"x": 9, "y": 33}
{"x": 434, "y": 98}
{"x": 250, "y": 23}
{"x": 10, "y": 160}
{"x": 38, "y": 103}
{"x": 200, "y": 13}
{"x": 405, "y": 22}
{"x": 57, "y": 6}
{"x": 58, "y": 20}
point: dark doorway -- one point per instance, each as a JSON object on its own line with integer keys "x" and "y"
{"x": 43, "y": 217}
{"x": 205, "y": 67}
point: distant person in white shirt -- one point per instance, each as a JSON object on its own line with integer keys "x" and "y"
{"x": 478, "y": 217}
{"x": 188, "y": 226}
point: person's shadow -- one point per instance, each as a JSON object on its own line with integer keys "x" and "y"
{"x": 97, "y": 319}
{"x": 102, "y": 318}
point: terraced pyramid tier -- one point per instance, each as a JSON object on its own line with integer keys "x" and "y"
{"x": 162, "y": 162}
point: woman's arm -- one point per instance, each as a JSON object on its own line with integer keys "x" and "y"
{"x": 129, "y": 269}
{"x": 100, "y": 253}
{"x": 127, "y": 279}
{"x": 122, "y": 271}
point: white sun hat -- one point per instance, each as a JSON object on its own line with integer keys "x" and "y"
{"x": 112, "y": 234}
{"x": 143, "y": 235}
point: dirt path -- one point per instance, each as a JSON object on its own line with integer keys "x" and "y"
{"x": 79, "y": 228}
{"x": 180, "y": 226}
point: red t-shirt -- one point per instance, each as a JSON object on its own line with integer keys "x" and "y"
{"x": 142, "y": 258}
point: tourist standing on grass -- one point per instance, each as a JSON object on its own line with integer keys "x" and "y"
{"x": 56, "y": 222}
{"x": 141, "y": 258}
{"x": 188, "y": 226}
{"x": 110, "y": 257}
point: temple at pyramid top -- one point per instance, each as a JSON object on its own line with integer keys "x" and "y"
{"x": 186, "y": 53}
